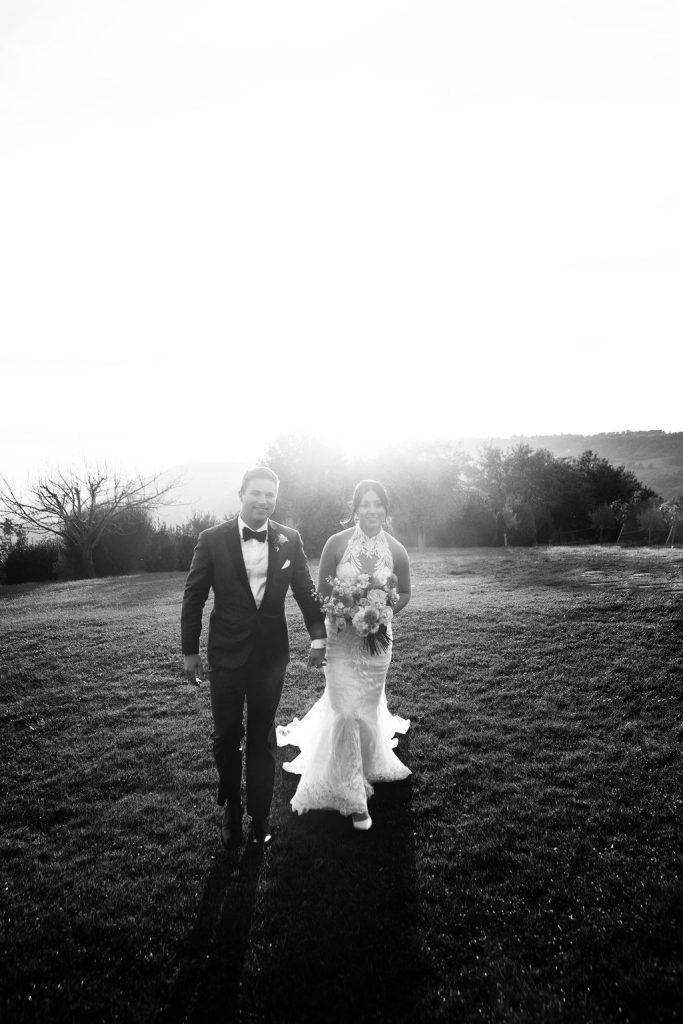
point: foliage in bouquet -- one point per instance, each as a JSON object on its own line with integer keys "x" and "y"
{"x": 365, "y": 602}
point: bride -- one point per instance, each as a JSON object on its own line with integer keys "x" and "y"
{"x": 347, "y": 738}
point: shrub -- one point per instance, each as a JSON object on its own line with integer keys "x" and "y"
{"x": 33, "y": 563}
{"x": 161, "y": 552}
{"x": 122, "y": 550}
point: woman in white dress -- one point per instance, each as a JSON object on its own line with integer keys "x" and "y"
{"x": 347, "y": 738}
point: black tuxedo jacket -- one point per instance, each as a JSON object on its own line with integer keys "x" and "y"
{"x": 236, "y": 625}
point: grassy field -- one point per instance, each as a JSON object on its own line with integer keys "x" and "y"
{"x": 529, "y": 870}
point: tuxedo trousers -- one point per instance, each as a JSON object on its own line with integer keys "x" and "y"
{"x": 258, "y": 683}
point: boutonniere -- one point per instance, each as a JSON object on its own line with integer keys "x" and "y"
{"x": 278, "y": 541}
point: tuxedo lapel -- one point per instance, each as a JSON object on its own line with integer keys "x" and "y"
{"x": 235, "y": 550}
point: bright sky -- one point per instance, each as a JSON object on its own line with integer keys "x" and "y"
{"x": 222, "y": 221}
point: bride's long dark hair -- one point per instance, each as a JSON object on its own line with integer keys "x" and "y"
{"x": 362, "y": 489}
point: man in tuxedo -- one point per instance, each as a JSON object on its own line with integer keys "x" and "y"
{"x": 250, "y": 562}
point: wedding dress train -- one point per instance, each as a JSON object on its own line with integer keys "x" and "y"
{"x": 347, "y": 738}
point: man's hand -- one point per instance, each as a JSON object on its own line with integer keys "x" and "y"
{"x": 194, "y": 670}
{"x": 317, "y": 657}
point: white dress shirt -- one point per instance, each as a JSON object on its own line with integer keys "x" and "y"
{"x": 255, "y": 555}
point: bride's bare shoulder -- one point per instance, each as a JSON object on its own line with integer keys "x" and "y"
{"x": 397, "y": 549}
{"x": 338, "y": 541}
{"x": 342, "y": 538}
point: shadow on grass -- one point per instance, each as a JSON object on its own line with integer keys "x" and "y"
{"x": 212, "y": 955}
{"x": 322, "y": 926}
{"x": 351, "y": 950}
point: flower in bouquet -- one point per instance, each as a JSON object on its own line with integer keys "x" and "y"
{"x": 365, "y": 603}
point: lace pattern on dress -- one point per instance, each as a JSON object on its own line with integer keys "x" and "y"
{"x": 325, "y": 797}
{"x": 361, "y": 550}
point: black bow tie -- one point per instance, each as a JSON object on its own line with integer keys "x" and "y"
{"x": 248, "y": 534}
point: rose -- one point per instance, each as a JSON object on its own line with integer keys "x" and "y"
{"x": 367, "y": 620}
{"x": 377, "y": 596}
{"x": 359, "y": 623}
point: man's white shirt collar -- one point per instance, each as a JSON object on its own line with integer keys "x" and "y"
{"x": 241, "y": 524}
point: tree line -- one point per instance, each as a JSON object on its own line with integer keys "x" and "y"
{"x": 94, "y": 523}
{"x": 444, "y": 497}
{"x": 138, "y": 544}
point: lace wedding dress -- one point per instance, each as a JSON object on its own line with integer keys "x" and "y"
{"x": 347, "y": 738}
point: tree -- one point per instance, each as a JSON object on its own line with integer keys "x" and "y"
{"x": 312, "y": 484}
{"x": 532, "y": 492}
{"x": 161, "y": 554}
{"x": 123, "y": 550}
{"x": 516, "y": 484}
{"x": 12, "y": 538}
{"x": 673, "y": 513}
{"x": 493, "y": 486}
{"x": 11, "y": 535}
{"x": 81, "y": 507}
{"x": 651, "y": 519}
{"x": 472, "y": 523}
{"x": 602, "y": 518}
{"x": 608, "y": 483}
{"x": 172, "y": 549}
{"x": 549, "y": 489}
{"x": 426, "y": 482}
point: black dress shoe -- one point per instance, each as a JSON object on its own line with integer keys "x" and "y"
{"x": 231, "y": 827}
{"x": 260, "y": 834}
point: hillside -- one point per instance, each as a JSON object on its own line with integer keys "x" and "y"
{"x": 655, "y": 457}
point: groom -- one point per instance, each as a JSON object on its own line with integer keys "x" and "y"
{"x": 250, "y": 562}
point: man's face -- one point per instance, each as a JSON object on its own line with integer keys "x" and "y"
{"x": 258, "y": 501}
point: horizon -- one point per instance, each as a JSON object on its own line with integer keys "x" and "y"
{"x": 27, "y": 474}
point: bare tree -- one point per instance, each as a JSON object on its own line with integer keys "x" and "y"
{"x": 81, "y": 507}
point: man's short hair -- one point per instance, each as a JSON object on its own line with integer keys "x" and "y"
{"x": 258, "y": 473}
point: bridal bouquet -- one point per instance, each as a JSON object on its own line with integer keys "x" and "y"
{"x": 366, "y": 603}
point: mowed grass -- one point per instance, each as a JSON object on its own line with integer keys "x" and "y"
{"x": 528, "y": 870}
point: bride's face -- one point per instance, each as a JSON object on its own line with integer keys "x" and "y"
{"x": 372, "y": 513}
